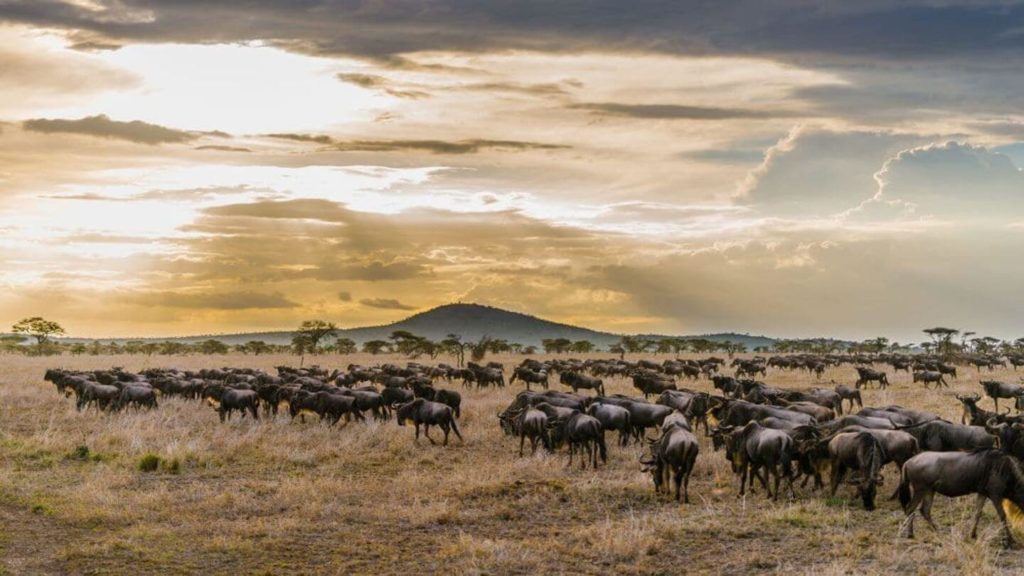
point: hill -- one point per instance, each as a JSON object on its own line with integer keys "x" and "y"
{"x": 471, "y": 321}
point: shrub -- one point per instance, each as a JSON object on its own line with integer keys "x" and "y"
{"x": 149, "y": 463}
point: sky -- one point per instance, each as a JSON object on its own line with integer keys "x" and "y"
{"x": 795, "y": 168}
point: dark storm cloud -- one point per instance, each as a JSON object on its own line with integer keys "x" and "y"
{"x": 912, "y": 29}
{"x": 103, "y": 127}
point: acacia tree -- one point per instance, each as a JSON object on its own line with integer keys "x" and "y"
{"x": 943, "y": 339}
{"x": 453, "y": 345}
{"x": 314, "y": 331}
{"x": 39, "y": 328}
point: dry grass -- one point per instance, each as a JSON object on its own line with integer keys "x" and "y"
{"x": 282, "y": 497}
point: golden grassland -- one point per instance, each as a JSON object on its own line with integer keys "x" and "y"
{"x": 283, "y": 497}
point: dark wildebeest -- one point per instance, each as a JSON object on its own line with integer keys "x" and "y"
{"x": 992, "y": 475}
{"x": 753, "y": 447}
{"x": 583, "y": 433}
{"x": 529, "y": 377}
{"x": 996, "y": 390}
{"x": 613, "y": 417}
{"x": 942, "y": 436}
{"x": 866, "y": 375}
{"x": 975, "y": 415}
{"x": 136, "y": 395}
{"x": 851, "y": 395}
{"x": 859, "y": 451}
{"x": 101, "y": 395}
{"x": 230, "y": 399}
{"x": 577, "y": 381}
{"x": 533, "y": 424}
{"x": 930, "y": 377}
{"x": 423, "y": 411}
{"x": 673, "y": 454}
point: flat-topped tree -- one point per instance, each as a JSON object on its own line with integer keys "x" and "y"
{"x": 314, "y": 331}
{"x": 942, "y": 338}
{"x": 39, "y": 328}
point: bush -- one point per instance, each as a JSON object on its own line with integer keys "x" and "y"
{"x": 149, "y": 463}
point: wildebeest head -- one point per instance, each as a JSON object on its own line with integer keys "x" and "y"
{"x": 406, "y": 411}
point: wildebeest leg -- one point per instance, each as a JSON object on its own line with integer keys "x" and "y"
{"x": 522, "y": 440}
{"x": 426, "y": 432}
{"x": 221, "y": 413}
{"x": 743, "y": 480}
{"x": 678, "y": 472}
{"x": 838, "y": 472}
{"x": 572, "y": 447}
{"x": 979, "y": 505}
{"x": 926, "y": 509}
{"x": 417, "y": 426}
{"x": 1008, "y": 541}
{"x": 446, "y": 429}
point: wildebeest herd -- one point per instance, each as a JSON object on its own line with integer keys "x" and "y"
{"x": 777, "y": 438}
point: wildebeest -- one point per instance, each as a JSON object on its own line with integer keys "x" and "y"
{"x": 582, "y": 433}
{"x": 230, "y": 399}
{"x": 867, "y": 375}
{"x": 974, "y": 414}
{"x": 860, "y": 451}
{"x": 673, "y": 454}
{"x": 135, "y": 395}
{"x": 992, "y": 475}
{"x": 942, "y": 436}
{"x": 996, "y": 390}
{"x": 529, "y": 377}
{"x": 577, "y": 381}
{"x": 613, "y": 417}
{"x": 930, "y": 377}
{"x": 851, "y": 395}
{"x": 427, "y": 413}
{"x": 527, "y": 423}
{"x": 753, "y": 447}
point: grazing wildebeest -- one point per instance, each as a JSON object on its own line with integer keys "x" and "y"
{"x": 866, "y": 375}
{"x": 613, "y": 417}
{"x": 577, "y": 381}
{"x": 423, "y": 411}
{"x": 533, "y": 424}
{"x": 992, "y": 475}
{"x": 673, "y": 454}
{"x": 930, "y": 377}
{"x": 583, "y": 433}
{"x": 851, "y": 395}
{"x": 753, "y": 447}
{"x": 859, "y": 451}
{"x": 996, "y": 390}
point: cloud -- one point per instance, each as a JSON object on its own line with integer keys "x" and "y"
{"x": 218, "y": 148}
{"x": 814, "y": 173}
{"x": 386, "y": 31}
{"x": 467, "y": 146}
{"x": 103, "y": 127}
{"x": 954, "y": 180}
{"x": 373, "y": 82}
{"x": 679, "y": 111}
{"x": 216, "y": 301}
{"x": 345, "y": 296}
{"x": 385, "y": 304}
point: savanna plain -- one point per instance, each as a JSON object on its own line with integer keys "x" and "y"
{"x": 278, "y": 496}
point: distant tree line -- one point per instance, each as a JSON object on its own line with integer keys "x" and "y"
{"x": 36, "y": 335}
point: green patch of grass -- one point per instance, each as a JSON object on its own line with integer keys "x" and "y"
{"x": 149, "y": 463}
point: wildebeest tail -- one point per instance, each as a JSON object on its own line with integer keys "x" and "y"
{"x": 455, "y": 428}
{"x": 903, "y": 490}
{"x": 602, "y": 447}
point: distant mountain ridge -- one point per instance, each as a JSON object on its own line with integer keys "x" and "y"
{"x": 471, "y": 322}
